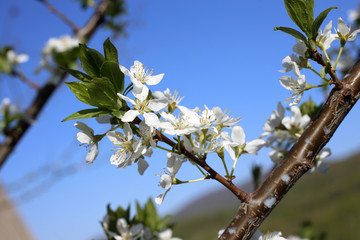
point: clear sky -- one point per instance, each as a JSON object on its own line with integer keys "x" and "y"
{"x": 218, "y": 53}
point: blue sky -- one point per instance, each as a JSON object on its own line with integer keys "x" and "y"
{"x": 218, "y": 53}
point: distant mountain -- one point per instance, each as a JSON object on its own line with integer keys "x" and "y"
{"x": 330, "y": 201}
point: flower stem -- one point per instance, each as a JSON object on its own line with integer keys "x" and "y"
{"x": 338, "y": 57}
{"x": 226, "y": 170}
{"x": 165, "y": 149}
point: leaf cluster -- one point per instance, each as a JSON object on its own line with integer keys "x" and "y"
{"x": 301, "y": 13}
{"x": 146, "y": 215}
{"x": 99, "y": 83}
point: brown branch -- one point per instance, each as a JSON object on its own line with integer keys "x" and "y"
{"x": 241, "y": 195}
{"x": 56, "y": 12}
{"x": 298, "y": 161}
{"x": 317, "y": 57}
{"x": 15, "y": 135}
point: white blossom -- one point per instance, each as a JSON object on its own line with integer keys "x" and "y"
{"x": 173, "y": 165}
{"x": 297, "y": 86}
{"x": 144, "y": 107}
{"x": 126, "y": 232}
{"x": 324, "y": 40}
{"x": 15, "y": 59}
{"x": 344, "y": 33}
{"x": 300, "y": 48}
{"x": 87, "y": 138}
{"x": 129, "y": 149}
{"x": 236, "y": 145}
{"x": 173, "y": 100}
{"x": 139, "y": 75}
{"x": 61, "y": 44}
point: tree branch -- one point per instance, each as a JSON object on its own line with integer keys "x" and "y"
{"x": 241, "y": 195}
{"x": 298, "y": 161}
{"x": 48, "y": 89}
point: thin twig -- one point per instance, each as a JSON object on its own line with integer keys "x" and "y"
{"x": 26, "y": 80}
{"x": 241, "y": 195}
{"x": 65, "y": 19}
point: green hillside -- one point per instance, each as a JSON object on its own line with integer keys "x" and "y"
{"x": 330, "y": 201}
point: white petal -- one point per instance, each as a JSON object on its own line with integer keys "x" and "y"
{"x": 92, "y": 154}
{"x": 152, "y": 120}
{"x": 125, "y": 70}
{"x": 130, "y": 115}
{"x": 83, "y": 127}
{"x": 166, "y": 181}
{"x": 142, "y": 166}
{"x": 84, "y": 138}
{"x": 122, "y": 226}
{"x": 238, "y": 135}
{"x": 254, "y": 146}
{"x": 157, "y": 104}
{"x": 126, "y": 99}
{"x": 127, "y": 130}
{"x": 153, "y": 80}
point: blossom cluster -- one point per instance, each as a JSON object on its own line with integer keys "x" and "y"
{"x": 298, "y": 61}
{"x": 60, "y": 50}
{"x": 199, "y": 132}
{"x": 281, "y": 132}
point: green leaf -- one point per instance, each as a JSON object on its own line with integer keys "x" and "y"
{"x": 319, "y": 20}
{"x": 87, "y": 113}
{"x": 91, "y": 60}
{"x": 302, "y": 14}
{"x": 292, "y": 32}
{"x": 112, "y": 71}
{"x": 323, "y": 72}
{"x": 102, "y": 91}
{"x": 79, "y": 75}
{"x": 110, "y": 51}
{"x": 118, "y": 113}
{"x": 80, "y": 91}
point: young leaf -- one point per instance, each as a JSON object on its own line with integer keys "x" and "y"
{"x": 77, "y": 74}
{"x": 302, "y": 13}
{"x": 112, "y": 71}
{"x": 319, "y": 20}
{"x": 91, "y": 60}
{"x": 110, "y": 51}
{"x": 292, "y": 32}
{"x": 102, "y": 92}
{"x": 80, "y": 91}
{"x": 87, "y": 113}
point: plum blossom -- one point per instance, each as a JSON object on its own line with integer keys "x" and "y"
{"x": 297, "y": 86}
{"x": 139, "y": 75}
{"x": 297, "y": 121}
{"x": 300, "y": 48}
{"x": 61, "y": 44}
{"x": 173, "y": 100}
{"x": 344, "y": 33}
{"x": 133, "y": 233}
{"x": 166, "y": 235}
{"x": 237, "y": 145}
{"x": 272, "y": 236}
{"x": 130, "y": 149}
{"x": 289, "y": 61}
{"x": 274, "y": 121}
{"x": 15, "y": 59}
{"x": 324, "y": 40}
{"x": 168, "y": 179}
{"x": 87, "y": 138}
{"x": 144, "y": 107}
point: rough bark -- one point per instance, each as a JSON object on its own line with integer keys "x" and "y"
{"x": 298, "y": 161}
